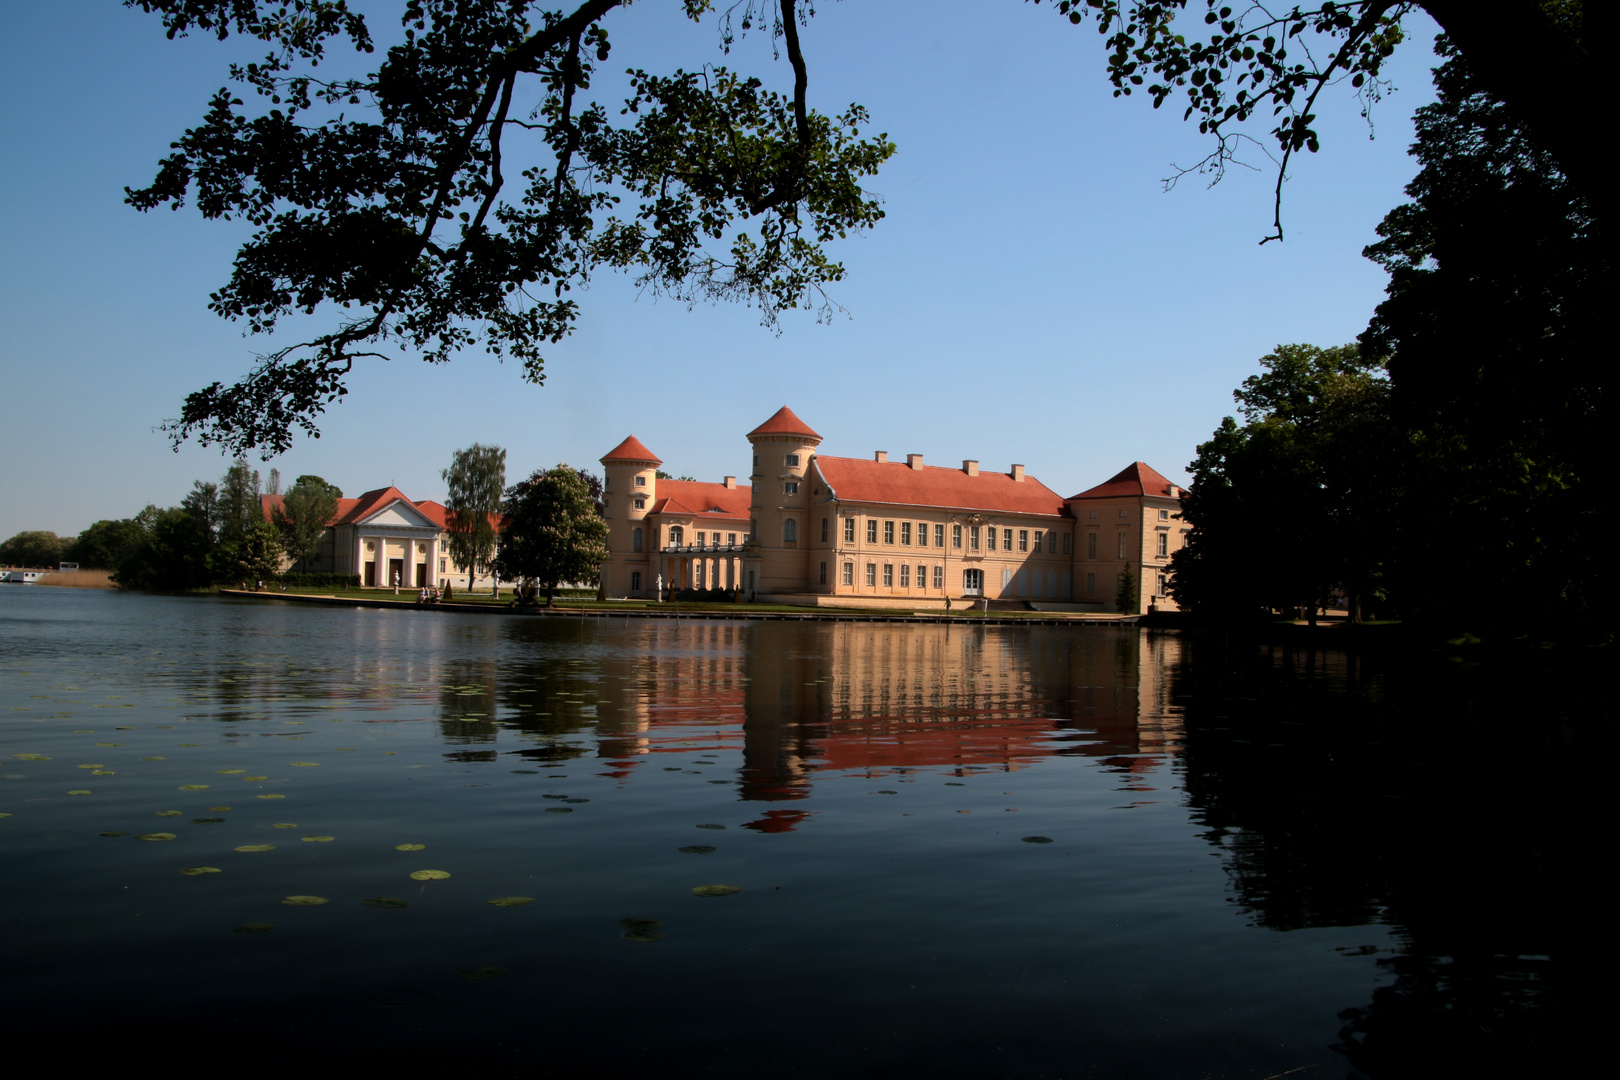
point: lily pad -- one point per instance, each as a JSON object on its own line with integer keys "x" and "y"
{"x": 109, "y": 744}
{"x": 199, "y": 871}
{"x": 307, "y": 764}
{"x": 114, "y": 832}
{"x": 190, "y": 744}
{"x": 154, "y": 836}
{"x": 409, "y": 847}
{"x": 429, "y": 875}
{"x": 91, "y": 766}
{"x": 79, "y": 791}
{"x": 257, "y": 847}
{"x": 168, "y": 813}
{"x": 559, "y": 809}
{"x": 512, "y": 901}
{"x": 255, "y": 928}
{"x": 103, "y": 772}
{"x": 1037, "y": 839}
{"x": 255, "y": 778}
{"x": 304, "y": 901}
{"x": 285, "y": 825}
{"x": 695, "y": 849}
{"x": 318, "y": 839}
{"x": 155, "y": 757}
{"x": 642, "y": 929}
{"x": 486, "y": 972}
{"x": 207, "y": 820}
{"x": 30, "y": 757}
{"x": 229, "y": 772}
{"x": 716, "y": 890}
{"x": 218, "y": 809}
{"x": 385, "y": 902}
{"x": 711, "y": 826}
{"x": 270, "y": 796}
{"x": 193, "y": 787}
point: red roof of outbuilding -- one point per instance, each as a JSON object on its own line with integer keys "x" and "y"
{"x": 784, "y": 422}
{"x": 701, "y": 499}
{"x": 351, "y": 511}
{"x": 1138, "y": 478}
{"x": 895, "y": 482}
{"x": 632, "y": 449}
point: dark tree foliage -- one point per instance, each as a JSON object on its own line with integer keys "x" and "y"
{"x": 176, "y": 551}
{"x": 593, "y": 485}
{"x": 389, "y": 197}
{"x": 307, "y": 508}
{"x": 32, "y": 547}
{"x": 476, "y": 479}
{"x": 105, "y": 544}
{"x": 553, "y": 532}
{"x": 1496, "y": 328}
{"x": 1290, "y": 507}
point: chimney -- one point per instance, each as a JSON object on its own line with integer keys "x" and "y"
{"x": 914, "y": 461}
{"x": 971, "y": 468}
{"x": 1018, "y": 474}
{"x": 880, "y": 455}
{"x": 731, "y": 481}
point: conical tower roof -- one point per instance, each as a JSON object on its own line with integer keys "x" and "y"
{"x": 631, "y": 450}
{"x": 784, "y": 422}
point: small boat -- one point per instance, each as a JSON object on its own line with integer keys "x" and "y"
{"x": 22, "y": 577}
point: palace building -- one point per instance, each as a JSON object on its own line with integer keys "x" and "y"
{"x": 855, "y": 532}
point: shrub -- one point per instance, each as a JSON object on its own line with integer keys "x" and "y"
{"x": 321, "y": 581}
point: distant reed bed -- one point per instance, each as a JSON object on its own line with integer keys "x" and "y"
{"x": 79, "y": 579}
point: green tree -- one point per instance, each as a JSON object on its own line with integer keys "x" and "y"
{"x": 105, "y": 544}
{"x": 239, "y": 507}
{"x": 308, "y": 507}
{"x": 33, "y": 547}
{"x": 1496, "y": 322}
{"x": 552, "y": 532}
{"x": 1127, "y": 597}
{"x": 1294, "y": 504}
{"x": 476, "y": 479}
{"x": 175, "y": 551}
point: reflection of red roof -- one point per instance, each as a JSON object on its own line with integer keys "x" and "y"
{"x": 784, "y": 422}
{"x": 700, "y": 499}
{"x": 1138, "y": 478}
{"x": 632, "y": 449}
{"x": 860, "y": 480}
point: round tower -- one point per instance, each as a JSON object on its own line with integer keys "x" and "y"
{"x": 630, "y": 486}
{"x": 780, "y": 509}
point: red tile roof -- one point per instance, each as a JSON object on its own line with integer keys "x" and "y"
{"x": 895, "y": 482}
{"x": 352, "y": 511}
{"x": 700, "y": 499}
{"x": 631, "y": 450}
{"x": 1135, "y": 479}
{"x": 784, "y": 422}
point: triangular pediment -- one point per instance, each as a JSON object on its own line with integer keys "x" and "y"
{"x": 399, "y": 514}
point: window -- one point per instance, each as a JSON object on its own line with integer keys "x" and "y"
{"x": 731, "y": 539}
{"x": 1023, "y": 539}
{"x": 823, "y": 573}
{"x": 790, "y": 488}
{"x": 641, "y": 481}
{"x": 792, "y": 461}
{"x": 871, "y": 530}
{"x": 756, "y": 461}
{"x": 939, "y": 536}
{"x": 871, "y": 574}
{"x": 1006, "y": 580}
{"x": 790, "y": 531}
{"x": 1091, "y": 546}
{"x": 922, "y": 534}
{"x": 849, "y": 573}
{"x": 905, "y": 533}
{"x": 699, "y": 540}
{"x": 1068, "y": 543}
{"x": 1164, "y": 544}
{"x": 1091, "y": 584}
{"x": 823, "y": 534}
{"x": 635, "y": 581}
{"x": 676, "y": 536}
{"x": 697, "y": 575}
{"x": 939, "y": 577}
{"x": 441, "y": 566}
{"x": 753, "y": 528}
{"x": 1093, "y": 515}
{"x": 956, "y": 536}
{"x": 849, "y": 530}
{"x": 888, "y": 532}
{"x": 1038, "y": 542}
{"x": 888, "y": 575}
{"x": 905, "y": 576}
{"x": 922, "y": 577}
{"x": 1122, "y": 513}
{"x": 992, "y": 537}
{"x": 973, "y": 538}
{"x": 1122, "y": 539}
{"x": 972, "y": 582}
{"x": 607, "y": 504}
{"x": 640, "y": 503}
{"x": 1023, "y": 582}
{"x": 1164, "y": 515}
{"x": 1006, "y": 539}
{"x": 635, "y": 539}
{"x": 1164, "y": 586}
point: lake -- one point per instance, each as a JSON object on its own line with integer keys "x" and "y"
{"x": 298, "y": 834}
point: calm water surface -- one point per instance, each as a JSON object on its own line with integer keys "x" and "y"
{"x": 1007, "y": 851}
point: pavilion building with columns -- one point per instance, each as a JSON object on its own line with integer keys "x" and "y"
{"x": 820, "y": 530}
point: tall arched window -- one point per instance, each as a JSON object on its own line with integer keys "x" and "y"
{"x": 790, "y": 531}
{"x": 677, "y": 536}
{"x": 635, "y": 540}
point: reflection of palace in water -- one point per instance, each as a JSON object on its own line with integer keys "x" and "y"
{"x": 875, "y": 697}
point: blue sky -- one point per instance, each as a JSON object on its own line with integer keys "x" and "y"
{"x": 1033, "y": 295}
